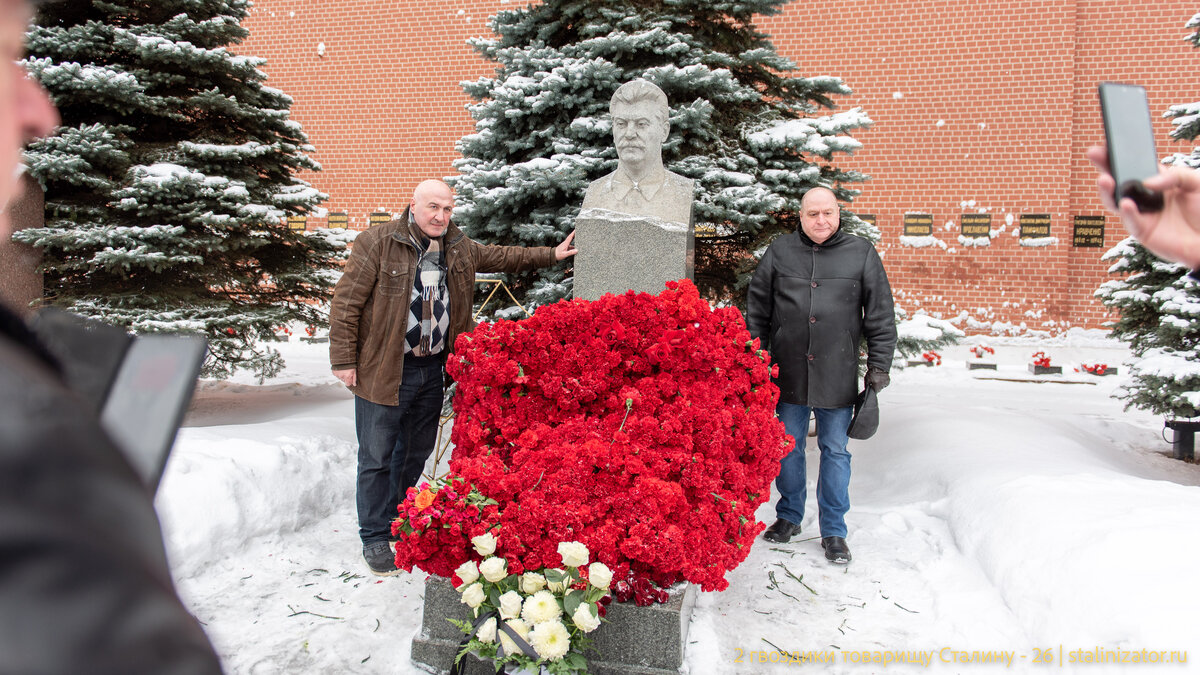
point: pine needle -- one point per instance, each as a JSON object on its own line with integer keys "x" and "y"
{"x": 799, "y": 579}
{"x": 296, "y": 612}
{"x": 775, "y": 646}
{"x": 775, "y": 586}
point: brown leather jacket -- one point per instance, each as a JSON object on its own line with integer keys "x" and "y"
{"x": 369, "y": 313}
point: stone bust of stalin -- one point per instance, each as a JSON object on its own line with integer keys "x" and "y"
{"x": 641, "y": 186}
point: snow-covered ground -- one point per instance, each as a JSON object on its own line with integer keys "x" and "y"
{"x": 1003, "y": 519}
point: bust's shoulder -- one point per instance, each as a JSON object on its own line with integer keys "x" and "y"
{"x": 675, "y": 180}
{"x": 603, "y": 182}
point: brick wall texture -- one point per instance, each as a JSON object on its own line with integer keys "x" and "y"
{"x": 977, "y": 108}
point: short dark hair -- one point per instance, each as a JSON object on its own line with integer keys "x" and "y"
{"x": 635, "y": 91}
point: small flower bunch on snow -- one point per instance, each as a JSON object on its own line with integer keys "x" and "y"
{"x": 436, "y": 523}
{"x": 536, "y": 618}
{"x": 1096, "y": 369}
{"x": 932, "y": 357}
{"x": 981, "y": 349}
{"x": 1040, "y": 359}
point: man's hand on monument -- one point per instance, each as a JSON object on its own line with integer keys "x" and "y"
{"x": 349, "y": 376}
{"x": 877, "y": 379}
{"x": 566, "y": 249}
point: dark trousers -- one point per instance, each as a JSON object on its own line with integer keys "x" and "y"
{"x": 393, "y": 443}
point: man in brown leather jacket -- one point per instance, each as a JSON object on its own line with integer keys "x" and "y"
{"x": 404, "y": 297}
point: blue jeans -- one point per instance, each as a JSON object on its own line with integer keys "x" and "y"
{"x": 393, "y": 443}
{"x": 833, "y": 481}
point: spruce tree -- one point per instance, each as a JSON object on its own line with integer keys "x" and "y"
{"x": 753, "y": 135}
{"x": 168, "y": 184}
{"x": 1159, "y": 306}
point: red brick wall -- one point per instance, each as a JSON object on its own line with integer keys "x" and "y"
{"x": 975, "y": 108}
{"x": 383, "y": 106}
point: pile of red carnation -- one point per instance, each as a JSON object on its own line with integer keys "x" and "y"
{"x": 642, "y": 426}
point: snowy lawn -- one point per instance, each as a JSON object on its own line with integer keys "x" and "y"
{"x": 990, "y": 519}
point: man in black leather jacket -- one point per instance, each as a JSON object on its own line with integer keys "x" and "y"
{"x": 84, "y": 582}
{"x": 815, "y": 294}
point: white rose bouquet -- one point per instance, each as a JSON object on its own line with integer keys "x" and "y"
{"x": 536, "y": 620}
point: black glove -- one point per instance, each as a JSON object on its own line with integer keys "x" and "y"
{"x": 877, "y": 379}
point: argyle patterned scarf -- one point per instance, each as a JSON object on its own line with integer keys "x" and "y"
{"x": 428, "y": 314}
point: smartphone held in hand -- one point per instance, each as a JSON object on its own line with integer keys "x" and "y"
{"x": 1130, "y": 137}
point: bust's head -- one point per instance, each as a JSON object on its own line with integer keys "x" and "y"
{"x": 640, "y": 124}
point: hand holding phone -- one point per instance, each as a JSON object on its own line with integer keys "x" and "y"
{"x": 1130, "y": 135}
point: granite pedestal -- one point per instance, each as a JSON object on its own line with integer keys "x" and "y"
{"x": 620, "y": 252}
{"x": 633, "y": 641}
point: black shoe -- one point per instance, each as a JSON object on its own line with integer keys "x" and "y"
{"x": 836, "y": 550}
{"x": 781, "y": 531}
{"x": 381, "y": 559}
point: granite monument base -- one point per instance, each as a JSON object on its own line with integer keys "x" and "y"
{"x": 620, "y": 252}
{"x": 634, "y": 640}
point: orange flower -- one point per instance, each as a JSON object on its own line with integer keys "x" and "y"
{"x": 424, "y": 499}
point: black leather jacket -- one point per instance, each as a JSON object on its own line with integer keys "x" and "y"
{"x": 84, "y": 583}
{"x": 810, "y": 304}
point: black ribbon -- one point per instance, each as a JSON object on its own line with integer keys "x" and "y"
{"x": 501, "y": 626}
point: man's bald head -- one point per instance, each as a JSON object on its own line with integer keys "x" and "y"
{"x": 820, "y": 214}
{"x": 432, "y": 205}
{"x": 819, "y": 191}
{"x": 430, "y": 188}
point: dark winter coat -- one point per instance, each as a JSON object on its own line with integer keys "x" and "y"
{"x": 810, "y": 304}
{"x": 369, "y": 313}
{"x": 84, "y": 582}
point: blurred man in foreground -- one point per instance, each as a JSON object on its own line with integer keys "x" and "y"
{"x": 84, "y": 582}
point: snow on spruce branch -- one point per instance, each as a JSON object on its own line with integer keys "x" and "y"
{"x": 74, "y": 76}
{"x": 814, "y": 135}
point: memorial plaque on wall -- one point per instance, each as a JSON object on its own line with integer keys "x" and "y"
{"x": 338, "y": 221}
{"x": 1089, "y": 232}
{"x": 918, "y": 224}
{"x": 976, "y": 225}
{"x": 379, "y": 218}
{"x": 868, "y": 218}
{"x": 1035, "y": 225}
{"x": 297, "y": 222}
